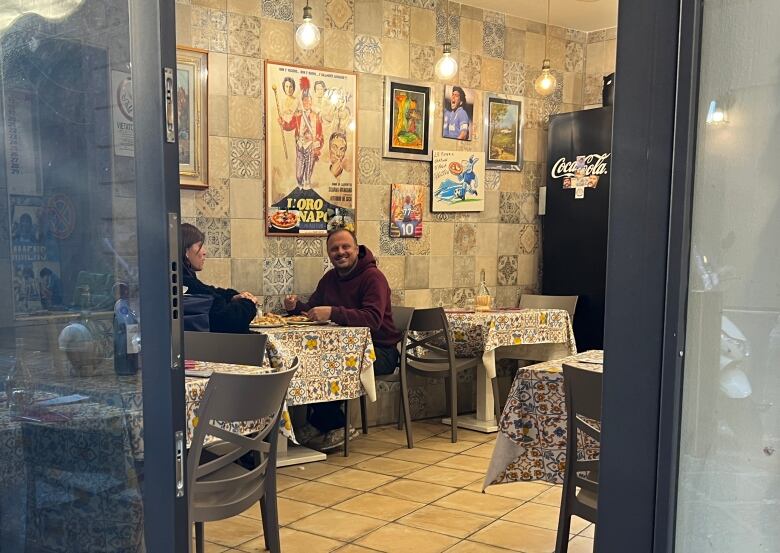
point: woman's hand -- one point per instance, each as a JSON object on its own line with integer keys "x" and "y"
{"x": 290, "y": 302}
{"x": 246, "y": 296}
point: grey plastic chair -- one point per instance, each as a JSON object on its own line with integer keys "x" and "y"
{"x": 583, "y": 405}
{"x": 219, "y": 488}
{"x": 219, "y": 347}
{"x": 401, "y": 318}
{"x": 430, "y": 350}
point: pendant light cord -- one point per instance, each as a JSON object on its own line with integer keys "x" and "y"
{"x": 546, "y": 29}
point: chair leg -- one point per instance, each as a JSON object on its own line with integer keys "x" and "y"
{"x": 270, "y": 523}
{"x": 346, "y": 428}
{"x": 264, "y": 519}
{"x": 454, "y": 407}
{"x": 496, "y": 399}
{"x": 400, "y": 409}
{"x": 564, "y": 523}
{"x": 364, "y": 414}
{"x": 405, "y": 409}
{"x": 199, "y": 545}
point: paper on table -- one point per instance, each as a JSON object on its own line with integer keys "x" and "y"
{"x": 62, "y": 400}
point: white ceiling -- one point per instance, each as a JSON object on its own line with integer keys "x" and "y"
{"x": 583, "y": 15}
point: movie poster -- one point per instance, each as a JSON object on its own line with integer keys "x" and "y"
{"x": 311, "y": 149}
{"x": 406, "y": 210}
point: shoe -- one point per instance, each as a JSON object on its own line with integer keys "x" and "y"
{"x": 306, "y": 433}
{"x": 331, "y": 440}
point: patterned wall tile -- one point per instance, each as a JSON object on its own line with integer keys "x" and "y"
{"x": 339, "y": 49}
{"x": 463, "y": 270}
{"x": 509, "y": 207}
{"x": 551, "y": 104}
{"x": 514, "y": 45}
{"x": 423, "y": 61}
{"x": 209, "y": 29}
{"x": 309, "y": 247}
{"x": 529, "y": 238}
{"x": 506, "y": 296}
{"x": 273, "y": 304}
{"x": 369, "y": 165}
{"x": 243, "y": 35}
{"x": 245, "y": 76}
{"x": 575, "y": 56}
{"x": 419, "y": 172}
{"x": 465, "y": 239}
{"x": 463, "y": 297}
{"x": 279, "y": 247}
{"x": 396, "y": 20}
{"x": 507, "y": 270}
{"x": 278, "y": 275}
{"x": 214, "y": 201}
{"x": 494, "y": 17}
{"x": 419, "y": 246}
{"x": 278, "y": 9}
{"x": 493, "y": 37}
{"x": 577, "y": 36}
{"x": 368, "y": 54}
{"x": 593, "y": 87}
{"x": 247, "y": 274}
{"x": 424, "y": 4}
{"x": 397, "y": 296}
{"x": 387, "y": 245}
{"x": 442, "y": 297}
{"x": 246, "y": 158}
{"x": 217, "y": 231}
{"x": 326, "y": 265}
{"x": 529, "y": 207}
{"x": 339, "y": 14}
{"x": 597, "y": 36}
{"x": 313, "y": 56}
{"x": 470, "y": 70}
{"x": 277, "y": 40}
{"x": 533, "y": 175}
{"x": 492, "y": 180}
{"x": 514, "y": 78}
{"x": 445, "y": 33}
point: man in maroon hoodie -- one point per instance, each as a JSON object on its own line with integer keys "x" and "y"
{"x": 353, "y": 293}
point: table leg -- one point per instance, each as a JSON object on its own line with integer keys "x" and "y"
{"x": 484, "y": 420}
{"x": 290, "y": 454}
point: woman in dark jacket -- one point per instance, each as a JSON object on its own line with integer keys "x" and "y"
{"x": 231, "y": 311}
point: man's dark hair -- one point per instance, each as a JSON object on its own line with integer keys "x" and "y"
{"x": 340, "y": 228}
{"x": 462, "y": 93}
{"x": 45, "y": 272}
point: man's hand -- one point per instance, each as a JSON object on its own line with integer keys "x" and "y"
{"x": 290, "y": 302}
{"x": 321, "y": 313}
{"x": 245, "y": 295}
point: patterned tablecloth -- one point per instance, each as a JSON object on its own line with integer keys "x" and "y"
{"x": 531, "y": 444}
{"x": 479, "y": 334}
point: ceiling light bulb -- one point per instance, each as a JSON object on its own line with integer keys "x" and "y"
{"x": 308, "y": 34}
{"x": 546, "y": 82}
{"x": 446, "y": 67}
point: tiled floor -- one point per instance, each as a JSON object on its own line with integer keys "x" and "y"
{"x": 385, "y": 497}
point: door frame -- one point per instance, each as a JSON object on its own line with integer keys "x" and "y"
{"x": 152, "y": 26}
{"x": 654, "y": 136}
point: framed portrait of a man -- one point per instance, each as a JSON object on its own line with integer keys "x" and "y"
{"x": 458, "y": 112}
{"x": 503, "y": 133}
{"x": 407, "y": 121}
{"x": 310, "y": 149}
{"x": 192, "y": 112}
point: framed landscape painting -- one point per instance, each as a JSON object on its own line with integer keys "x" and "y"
{"x": 458, "y": 181}
{"x": 407, "y": 121}
{"x": 310, "y": 149}
{"x": 192, "y": 111}
{"x": 503, "y": 133}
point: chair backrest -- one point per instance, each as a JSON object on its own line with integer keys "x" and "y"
{"x": 217, "y": 347}
{"x": 533, "y": 301}
{"x": 430, "y": 342}
{"x": 234, "y": 398}
{"x": 402, "y": 316}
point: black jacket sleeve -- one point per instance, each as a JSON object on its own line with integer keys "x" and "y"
{"x": 225, "y": 315}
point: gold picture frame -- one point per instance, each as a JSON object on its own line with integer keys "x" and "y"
{"x": 192, "y": 116}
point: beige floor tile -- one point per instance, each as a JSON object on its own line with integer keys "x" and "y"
{"x": 517, "y": 537}
{"x": 414, "y": 490}
{"x": 418, "y": 455}
{"x": 395, "y": 436}
{"x": 478, "y": 437}
{"x": 444, "y": 476}
{"x": 379, "y": 506}
{"x": 393, "y": 467}
{"x": 467, "y": 546}
{"x": 371, "y": 447}
{"x": 466, "y": 462}
{"x": 356, "y": 479}
{"x": 483, "y": 450}
{"x": 337, "y": 525}
{"x": 524, "y": 491}
{"x": 544, "y": 516}
{"x": 317, "y": 493}
{"x": 434, "y": 426}
{"x": 283, "y": 482}
{"x": 351, "y": 548}
{"x": 439, "y": 443}
{"x": 459, "y": 524}
{"x": 589, "y": 532}
{"x": 479, "y": 503}
{"x": 232, "y": 531}
{"x": 339, "y": 460}
{"x": 550, "y": 497}
{"x": 580, "y": 544}
{"x": 211, "y": 547}
{"x": 308, "y": 471}
{"x": 294, "y": 541}
{"x": 396, "y": 538}
{"x": 290, "y": 511}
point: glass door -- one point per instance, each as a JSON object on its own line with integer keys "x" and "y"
{"x": 728, "y": 489}
{"x": 87, "y": 181}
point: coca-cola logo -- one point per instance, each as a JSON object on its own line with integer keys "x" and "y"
{"x": 583, "y": 166}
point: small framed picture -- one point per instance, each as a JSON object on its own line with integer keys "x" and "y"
{"x": 192, "y": 109}
{"x": 503, "y": 133}
{"x": 407, "y": 121}
{"x": 458, "y": 112}
{"x": 407, "y": 203}
{"x": 458, "y": 181}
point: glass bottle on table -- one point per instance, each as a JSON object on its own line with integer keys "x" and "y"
{"x": 482, "y": 300}
{"x": 18, "y": 383}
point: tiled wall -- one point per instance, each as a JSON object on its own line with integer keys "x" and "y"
{"x": 378, "y": 38}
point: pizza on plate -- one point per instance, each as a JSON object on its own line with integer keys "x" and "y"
{"x": 297, "y": 319}
{"x": 269, "y": 319}
{"x": 283, "y": 220}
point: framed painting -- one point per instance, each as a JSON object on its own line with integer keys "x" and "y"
{"x": 192, "y": 110}
{"x": 458, "y": 112}
{"x": 406, "y": 210}
{"x": 310, "y": 149}
{"x": 503, "y": 124}
{"x": 407, "y": 121}
{"x": 458, "y": 181}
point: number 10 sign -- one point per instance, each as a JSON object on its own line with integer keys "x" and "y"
{"x": 406, "y": 209}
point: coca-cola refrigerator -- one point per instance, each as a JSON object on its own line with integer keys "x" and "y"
{"x": 575, "y": 209}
